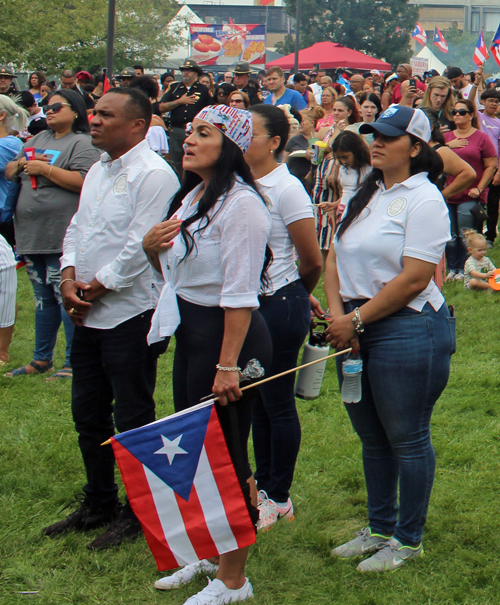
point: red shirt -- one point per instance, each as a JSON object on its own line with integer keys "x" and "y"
{"x": 396, "y": 93}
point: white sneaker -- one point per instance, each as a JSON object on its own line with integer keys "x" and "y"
{"x": 270, "y": 513}
{"x": 450, "y": 276}
{"x": 186, "y": 574}
{"x": 217, "y": 593}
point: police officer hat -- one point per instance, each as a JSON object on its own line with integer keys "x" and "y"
{"x": 242, "y": 68}
{"x": 192, "y": 65}
{"x": 5, "y": 70}
{"x": 128, "y": 72}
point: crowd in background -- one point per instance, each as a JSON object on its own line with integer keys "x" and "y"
{"x": 317, "y": 148}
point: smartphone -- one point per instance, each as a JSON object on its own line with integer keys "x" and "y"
{"x": 413, "y": 82}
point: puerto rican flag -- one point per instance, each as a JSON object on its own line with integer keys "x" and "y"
{"x": 439, "y": 40}
{"x": 419, "y": 34}
{"x": 183, "y": 488}
{"x": 495, "y": 46}
{"x": 480, "y": 52}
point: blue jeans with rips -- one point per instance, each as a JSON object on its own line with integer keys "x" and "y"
{"x": 45, "y": 275}
{"x": 456, "y": 250}
{"x": 406, "y": 363}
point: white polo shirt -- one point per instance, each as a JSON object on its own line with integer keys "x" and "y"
{"x": 289, "y": 202}
{"x": 410, "y": 219}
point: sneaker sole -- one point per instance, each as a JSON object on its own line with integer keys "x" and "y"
{"x": 290, "y": 519}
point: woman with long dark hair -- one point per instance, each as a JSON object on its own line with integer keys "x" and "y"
{"x": 43, "y": 214}
{"x": 212, "y": 251}
{"x": 36, "y": 81}
{"x": 385, "y": 305}
{"x": 284, "y": 304}
{"x": 476, "y": 148}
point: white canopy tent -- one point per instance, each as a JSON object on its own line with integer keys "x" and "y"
{"x": 434, "y": 62}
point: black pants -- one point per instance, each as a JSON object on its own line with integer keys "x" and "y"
{"x": 198, "y": 345}
{"x": 115, "y": 364}
{"x": 7, "y": 230}
{"x": 492, "y": 209}
{"x": 176, "y": 140}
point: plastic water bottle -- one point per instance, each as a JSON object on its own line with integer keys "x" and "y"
{"x": 352, "y": 368}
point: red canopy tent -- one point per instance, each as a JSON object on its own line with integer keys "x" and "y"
{"x": 330, "y": 55}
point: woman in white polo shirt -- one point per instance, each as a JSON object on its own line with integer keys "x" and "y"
{"x": 284, "y": 304}
{"x": 383, "y": 302}
{"x": 212, "y": 252}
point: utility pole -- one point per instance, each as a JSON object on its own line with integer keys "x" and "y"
{"x": 297, "y": 35}
{"x": 110, "y": 38}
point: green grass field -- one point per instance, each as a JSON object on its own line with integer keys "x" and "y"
{"x": 41, "y": 470}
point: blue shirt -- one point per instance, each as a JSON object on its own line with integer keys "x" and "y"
{"x": 9, "y": 147}
{"x": 290, "y": 97}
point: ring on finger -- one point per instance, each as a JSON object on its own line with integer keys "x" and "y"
{"x": 73, "y": 311}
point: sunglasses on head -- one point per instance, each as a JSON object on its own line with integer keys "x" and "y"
{"x": 459, "y": 112}
{"x": 55, "y": 107}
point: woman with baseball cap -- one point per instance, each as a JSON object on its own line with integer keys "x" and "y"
{"x": 212, "y": 251}
{"x": 383, "y": 302}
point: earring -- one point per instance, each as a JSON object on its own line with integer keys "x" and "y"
{"x": 271, "y": 151}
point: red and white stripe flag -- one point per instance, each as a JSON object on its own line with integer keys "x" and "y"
{"x": 495, "y": 46}
{"x": 183, "y": 488}
{"x": 480, "y": 52}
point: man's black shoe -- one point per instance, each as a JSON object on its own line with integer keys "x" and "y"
{"x": 84, "y": 518}
{"x": 124, "y": 529}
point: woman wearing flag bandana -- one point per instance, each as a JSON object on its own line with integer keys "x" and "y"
{"x": 212, "y": 251}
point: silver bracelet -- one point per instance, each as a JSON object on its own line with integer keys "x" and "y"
{"x": 223, "y": 369}
{"x": 359, "y": 328}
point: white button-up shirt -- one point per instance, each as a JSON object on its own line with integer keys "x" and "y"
{"x": 224, "y": 268}
{"x": 120, "y": 202}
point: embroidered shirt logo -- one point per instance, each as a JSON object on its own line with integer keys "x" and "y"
{"x": 397, "y": 206}
{"x": 120, "y": 185}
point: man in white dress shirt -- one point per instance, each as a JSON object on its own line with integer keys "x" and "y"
{"x": 110, "y": 292}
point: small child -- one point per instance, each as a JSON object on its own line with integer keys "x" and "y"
{"x": 478, "y": 267}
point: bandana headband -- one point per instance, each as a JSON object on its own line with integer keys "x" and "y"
{"x": 235, "y": 124}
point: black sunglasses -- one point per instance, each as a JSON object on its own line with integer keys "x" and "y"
{"x": 55, "y": 107}
{"x": 459, "y": 112}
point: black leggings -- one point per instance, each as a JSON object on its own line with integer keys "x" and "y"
{"x": 198, "y": 345}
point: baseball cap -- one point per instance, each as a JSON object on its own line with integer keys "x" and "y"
{"x": 84, "y": 75}
{"x": 391, "y": 77}
{"x": 454, "y": 72}
{"x": 398, "y": 120}
{"x": 431, "y": 73}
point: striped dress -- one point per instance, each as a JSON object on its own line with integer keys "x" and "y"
{"x": 8, "y": 285}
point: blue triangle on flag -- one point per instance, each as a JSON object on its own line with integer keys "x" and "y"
{"x": 171, "y": 448}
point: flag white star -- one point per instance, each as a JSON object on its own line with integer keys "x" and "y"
{"x": 171, "y": 448}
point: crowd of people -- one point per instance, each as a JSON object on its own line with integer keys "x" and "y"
{"x": 208, "y": 211}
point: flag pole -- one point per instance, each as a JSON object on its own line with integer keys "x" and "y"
{"x": 256, "y": 384}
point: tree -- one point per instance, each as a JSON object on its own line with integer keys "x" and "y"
{"x": 54, "y": 35}
{"x": 380, "y": 28}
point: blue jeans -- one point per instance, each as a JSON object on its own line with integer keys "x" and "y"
{"x": 456, "y": 250}
{"x": 406, "y": 364}
{"x": 45, "y": 275}
{"x": 275, "y": 424}
{"x": 111, "y": 365}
